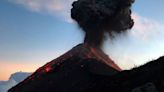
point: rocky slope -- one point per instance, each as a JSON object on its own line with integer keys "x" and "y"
{"x": 72, "y": 72}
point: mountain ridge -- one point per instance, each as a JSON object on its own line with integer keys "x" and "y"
{"x": 74, "y": 68}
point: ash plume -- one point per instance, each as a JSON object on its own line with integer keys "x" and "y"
{"x": 97, "y": 17}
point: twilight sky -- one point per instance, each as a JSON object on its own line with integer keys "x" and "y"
{"x": 33, "y": 32}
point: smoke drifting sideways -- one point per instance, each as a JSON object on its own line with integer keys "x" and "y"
{"x": 97, "y": 17}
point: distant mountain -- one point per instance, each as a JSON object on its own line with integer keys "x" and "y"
{"x": 19, "y": 76}
{"x": 72, "y": 72}
{"x": 13, "y": 80}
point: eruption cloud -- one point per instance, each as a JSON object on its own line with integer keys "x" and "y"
{"x": 97, "y": 17}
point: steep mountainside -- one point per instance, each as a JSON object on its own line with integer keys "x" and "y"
{"x": 146, "y": 78}
{"x": 72, "y": 72}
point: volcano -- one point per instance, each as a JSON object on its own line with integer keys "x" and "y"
{"x": 74, "y": 71}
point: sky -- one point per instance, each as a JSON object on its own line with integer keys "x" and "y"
{"x": 34, "y": 32}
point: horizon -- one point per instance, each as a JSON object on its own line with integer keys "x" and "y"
{"x": 33, "y": 33}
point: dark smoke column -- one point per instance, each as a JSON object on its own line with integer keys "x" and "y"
{"x": 97, "y": 17}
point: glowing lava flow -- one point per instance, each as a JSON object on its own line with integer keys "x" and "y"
{"x": 47, "y": 69}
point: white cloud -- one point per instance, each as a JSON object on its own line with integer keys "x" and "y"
{"x": 60, "y": 8}
{"x": 143, "y": 43}
{"x": 14, "y": 80}
{"x": 5, "y": 85}
{"x": 146, "y": 28}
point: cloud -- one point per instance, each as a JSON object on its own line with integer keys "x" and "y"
{"x": 146, "y": 28}
{"x": 5, "y": 85}
{"x": 59, "y": 8}
{"x": 13, "y": 80}
{"x": 140, "y": 45}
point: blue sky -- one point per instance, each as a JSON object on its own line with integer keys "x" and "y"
{"x": 35, "y": 32}
{"x": 150, "y": 9}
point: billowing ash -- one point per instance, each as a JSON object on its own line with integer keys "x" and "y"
{"x": 97, "y": 17}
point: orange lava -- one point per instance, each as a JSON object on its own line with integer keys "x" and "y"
{"x": 47, "y": 69}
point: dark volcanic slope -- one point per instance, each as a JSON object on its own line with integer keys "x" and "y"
{"x": 72, "y": 72}
{"x": 150, "y": 73}
{"x": 147, "y": 78}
